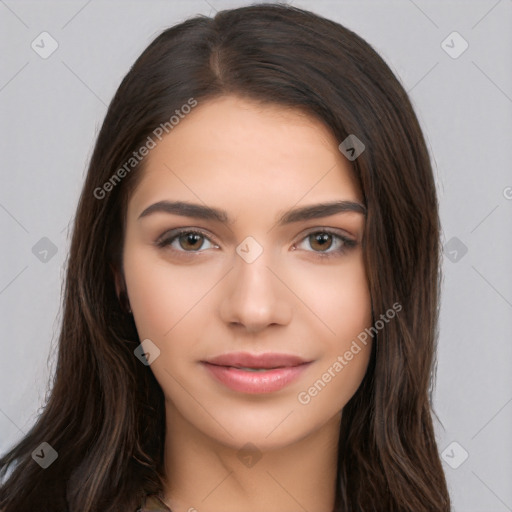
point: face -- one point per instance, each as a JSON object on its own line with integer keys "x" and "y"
{"x": 240, "y": 282}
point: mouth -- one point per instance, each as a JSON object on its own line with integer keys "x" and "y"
{"x": 253, "y": 374}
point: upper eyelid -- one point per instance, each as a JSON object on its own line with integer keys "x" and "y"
{"x": 335, "y": 231}
{"x": 172, "y": 234}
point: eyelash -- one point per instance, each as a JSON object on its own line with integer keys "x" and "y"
{"x": 348, "y": 243}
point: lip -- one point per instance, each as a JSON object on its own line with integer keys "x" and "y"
{"x": 280, "y": 370}
{"x": 247, "y": 360}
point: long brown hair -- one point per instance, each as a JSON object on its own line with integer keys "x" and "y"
{"x": 105, "y": 413}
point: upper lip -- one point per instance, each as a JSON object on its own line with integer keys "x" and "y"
{"x": 246, "y": 360}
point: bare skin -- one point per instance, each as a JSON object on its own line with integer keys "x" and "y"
{"x": 195, "y": 299}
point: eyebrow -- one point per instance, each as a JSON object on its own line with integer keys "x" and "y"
{"x": 302, "y": 213}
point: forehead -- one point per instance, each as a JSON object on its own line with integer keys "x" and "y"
{"x": 235, "y": 151}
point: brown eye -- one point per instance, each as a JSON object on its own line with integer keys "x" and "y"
{"x": 184, "y": 240}
{"x": 326, "y": 243}
{"x": 191, "y": 241}
{"x": 320, "y": 241}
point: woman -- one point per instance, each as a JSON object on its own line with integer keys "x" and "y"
{"x": 251, "y": 298}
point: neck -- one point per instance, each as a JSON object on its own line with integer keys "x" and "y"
{"x": 206, "y": 475}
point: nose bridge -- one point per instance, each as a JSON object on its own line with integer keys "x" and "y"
{"x": 254, "y": 283}
{"x": 255, "y": 278}
{"x": 256, "y": 297}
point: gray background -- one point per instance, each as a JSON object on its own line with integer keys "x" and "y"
{"x": 51, "y": 110}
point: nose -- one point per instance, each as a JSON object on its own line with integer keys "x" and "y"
{"x": 254, "y": 297}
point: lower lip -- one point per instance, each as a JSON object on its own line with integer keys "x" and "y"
{"x": 255, "y": 382}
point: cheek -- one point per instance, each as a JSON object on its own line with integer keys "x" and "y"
{"x": 340, "y": 298}
{"x": 164, "y": 295}
{"x": 338, "y": 373}
{"x": 337, "y": 297}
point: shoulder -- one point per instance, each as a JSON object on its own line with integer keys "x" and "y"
{"x": 152, "y": 503}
